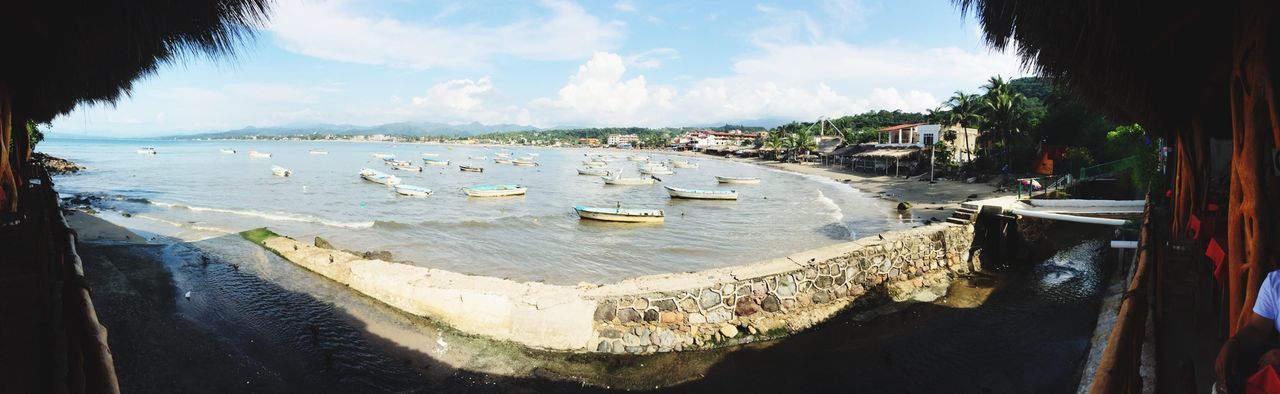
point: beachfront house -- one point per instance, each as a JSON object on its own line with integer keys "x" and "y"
{"x": 620, "y": 139}
{"x": 911, "y": 134}
{"x": 716, "y": 140}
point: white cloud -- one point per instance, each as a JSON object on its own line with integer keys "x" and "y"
{"x": 328, "y": 29}
{"x": 651, "y": 58}
{"x": 624, "y": 6}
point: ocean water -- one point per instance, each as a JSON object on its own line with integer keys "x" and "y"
{"x": 192, "y": 187}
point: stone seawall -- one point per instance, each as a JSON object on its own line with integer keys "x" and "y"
{"x": 659, "y": 313}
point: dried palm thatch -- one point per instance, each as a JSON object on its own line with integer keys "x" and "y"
{"x": 62, "y": 53}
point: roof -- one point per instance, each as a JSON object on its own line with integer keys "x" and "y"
{"x": 827, "y": 145}
{"x": 902, "y": 126}
{"x": 844, "y": 150}
{"x": 886, "y": 153}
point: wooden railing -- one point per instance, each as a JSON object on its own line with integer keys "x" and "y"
{"x": 1118, "y": 371}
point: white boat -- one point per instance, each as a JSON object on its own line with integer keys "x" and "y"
{"x": 524, "y": 162}
{"x": 597, "y": 171}
{"x": 502, "y": 154}
{"x": 384, "y": 156}
{"x": 317, "y": 152}
{"x": 738, "y": 179}
{"x": 477, "y": 157}
{"x": 434, "y": 162}
{"x": 594, "y": 163}
{"x": 620, "y": 215}
{"x": 425, "y": 154}
{"x": 494, "y": 190}
{"x": 500, "y": 160}
{"x": 683, "y": 164}
{"x": 676, "y": 192}
{"x": 413, "y": 191}
{"x": 227, "y": 151}
{"x": 146, "y": 151}
{"x": 638, "y": 158}
{"x": 467, "y": 168}
{"x": 281, "y": 171}
{"x": 379, "y": 177}
{"x": 619, "y": 180}
{"x": 405, "y": 166}
{"x": 656, "y": 170}
{"x": 256, "y": 154}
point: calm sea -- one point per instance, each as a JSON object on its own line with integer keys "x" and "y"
{"x": 198, "y": 192}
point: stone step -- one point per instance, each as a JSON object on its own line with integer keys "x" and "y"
{"x": 970, "y": 206}
{"x": 954, "y": 220}
{"x": 967, "y": 216}
{"x": 967, "y": 210}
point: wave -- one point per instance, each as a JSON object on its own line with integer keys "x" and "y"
{"x": 837, "y": 214}
{"x": 284, "y": 217}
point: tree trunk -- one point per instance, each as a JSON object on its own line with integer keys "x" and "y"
{"x": 1191, "y": 172}
{"x": 1253, "y": 241}
{"x": 8, "y": 180}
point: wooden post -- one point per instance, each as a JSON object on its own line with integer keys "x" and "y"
{"x": 8, "y": 182}
{"x": 1252, "y": 247}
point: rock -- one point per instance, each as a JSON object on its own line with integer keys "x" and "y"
{"x": 752, "y": 330}
{"x": 823, "y": 282}
{"x": 650, "y": 315}
{"x": 746, "y": 307}
{"x": 377, "y": 255}
{"x": 631, "y": 339}
{"x": 606, "y": 310}
{"x": 728, "y": 330}
{"x": 697, "y": 318}
{"x": 789, "y": 304}
{"x": 635, "y": 349}
{"x": 689, "y": 305}
{"x": 629, "y": 315}
{"x": 605, "y": 347}
{"x": 902, "y": 206}
{"x": 708, "y": 298}
{"x": 758, "y": 290}
{"x": 617, "y": 347}
{"x": 786, "y": 286}
{"x": 839, "y": 291}
{"x": 610, "y": 333}
{"x": 641, "y": 303}
{"x": 720, "y": 315}
{"x": 54, "y": 165}
{"x": 126, "y": 214}
{"x": 323, "y": 244}
{"x": 771, "y": 304}
{"x": 917, "y": 282}
{"x": 668, "y": 317}
{"x": 857, "y": 290}
{"x": 821, "y": 297}
{"x": 664, "y": 338}
{"x": 665, "y": 305}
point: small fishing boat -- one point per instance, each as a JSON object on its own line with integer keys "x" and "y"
{"x": 697, "y": 194}
{"x": 638, "y": 158}
{"x": 379, "y": 177}
{"x": 683, "y": 164}
{"x": 597, "y": 171}
{"x": 470, "y": 168}
{"x": 494, "y": 190}
{"x": 227, "y": 151}
{"x": 477, "y": 157}
{"x": 656, "y": 170}
{"x": 405, "y": 166}
{"x": 502, "y": 154}
{"x": 256, "y": 154}
{"x": 620, "y": 215}
{"x": 412, "y": 191}
{"x": 620, "y": 181}
{"x": 500, "y": 160}
{"x": 524, "y": 162}
{"x": 745, "y": 180}
{"x": 146, "y": 151}
{"x": 435, "y": 162}
{"x": 317, "y": 152}
{"x": 281, "y": 171}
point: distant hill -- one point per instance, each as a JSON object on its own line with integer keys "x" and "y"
{"x": 398, "y": 128}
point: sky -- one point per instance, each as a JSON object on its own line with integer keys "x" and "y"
{"x": 560, "y": 63}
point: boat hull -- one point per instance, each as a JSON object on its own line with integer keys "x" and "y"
{"x": 653, "y": 216}
{"x": 702, "y": 194}
{"x": 593, "y": 171}
{"x": 628, "y": 181}
{"x": 436, "y": 163}
{"x": 470, "y": 169}
{"x": 471, "y": 192}
{"x": 412, "y": 192}
{"x": 737, "y": 180}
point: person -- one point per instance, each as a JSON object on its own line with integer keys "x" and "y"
{"x": 1254, "y": 345}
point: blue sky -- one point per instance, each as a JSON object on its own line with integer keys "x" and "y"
{"x": 563, "y": 63}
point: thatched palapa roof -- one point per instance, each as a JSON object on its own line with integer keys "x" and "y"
{"x": 61, "y": 53}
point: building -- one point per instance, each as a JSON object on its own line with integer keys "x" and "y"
{"x": 619, "y": 139}
{"x": 704, "y": 139}
{"x": 911, "y": 134}
{"x": 589, "y": 141}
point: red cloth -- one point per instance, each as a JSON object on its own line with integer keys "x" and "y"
{"x": 1266, "y": 380}
{"x": 1193, "y": 227}
{"x": 1217, "y": 255}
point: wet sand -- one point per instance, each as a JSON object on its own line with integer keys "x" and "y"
{"x": 257, "y": 323}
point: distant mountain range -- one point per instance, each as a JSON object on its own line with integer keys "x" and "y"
{"x": 398, "y": 128}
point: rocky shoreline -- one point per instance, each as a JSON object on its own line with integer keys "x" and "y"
{"x": 55, "y": 165}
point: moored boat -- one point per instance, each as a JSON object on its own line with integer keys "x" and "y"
{"x": 620, "y": 214}
{"x": 621, "y": 181}
{"x": 500, "y": 160}
{"x": 676, "y": 192}
{"x": 146, "y": 151}
{"x": 435, "y": 162}
{"x": 494, "y": 190}
{"x": 256, "y": 154}
{"x": 524, "y": 162}
{"x": 597, "y": 171}
{"x": 656, "y": 170}
{"x": 379, "y": 177}
{"x": 594, "y": 163}
{"x": 281, "y": 171}
{"x": 412, "y": 191}
{"x": 227, "y": 151}
{"x": 683, "y": 164}
{"x": 470, "y": 168}
{"x": 746, "y": 180}
{"x": 638, "y": 158}
{"x": 405, "y": 166}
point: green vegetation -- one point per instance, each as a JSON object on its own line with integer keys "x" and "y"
{"x": 1131, "y": 141}
{"x": 258, "y": 235}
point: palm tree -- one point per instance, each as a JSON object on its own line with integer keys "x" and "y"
{"x": 802, "y": 140}
{"x": 1003, "y": 112}
{"x": 775, "y": 142}
{"x": 964, "y": 110}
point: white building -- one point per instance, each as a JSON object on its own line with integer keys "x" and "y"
{"x": 619, "y": 139}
